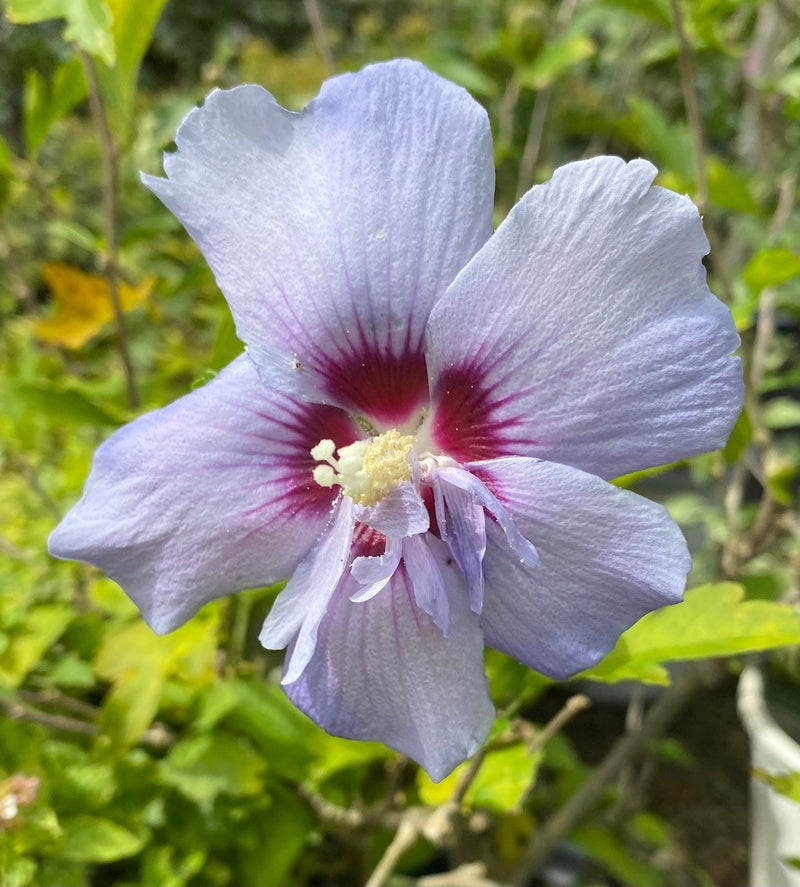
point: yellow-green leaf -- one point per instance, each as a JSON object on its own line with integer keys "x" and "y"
{"x": 556, "y": 59}
{"x": 92, "y": 839}
{"x": 729, "y": 188}
{"x": 771, "y": 267}
{"x": 132, "y": 30}
{"x": 713, "y": 620}
{"x": 41, "y": 628}
{"x": 138, "y": 664}
{"x": 500, "y": 784}
{"x": 739, "y": 438}
{"x": 203, "y": 767}
{"x": 47, "y": 101}
{"x": 64, "y": 405}
{"x": 131, "y": 705}
{"x": 227, "y": 345}
{"x": 190, "y": 652}
{"x": 781, "y": 412}
{"x": 88, "y": 21}
{"x": 786, "y": 784}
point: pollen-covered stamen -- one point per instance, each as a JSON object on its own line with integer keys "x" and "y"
{"x": 367, "y": 469}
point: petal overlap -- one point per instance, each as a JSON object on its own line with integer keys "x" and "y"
{"x": 584, "y": 331}
{"x": 606, "y": 557}
{"x": 383, "y": 670}
{"x": 299, "y": 608}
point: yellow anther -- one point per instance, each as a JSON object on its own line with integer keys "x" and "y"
{"x": 367, "y": 469}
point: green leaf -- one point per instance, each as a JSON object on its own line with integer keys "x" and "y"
{"x": 555, "y": 59}
{"x": 189, "y": 652}
{"x": 713, "y": 620}
{"x": 500, "y": 785}
{"x": 650, "y": 829}
{"x": 133, "y": 24}
{"x": 668, "y": 142}
{"x": 740, "y": 437}
{"x": 460, "y": 70}
{"x": 780, "y": 473}
{"x": 41, "y": 628}
{"x": 218, "y": 700}
{"x": 786, "y": 784}
{"x": 47, "y": 102}
{"x": 504, "y": 778}
{"x": 92, "y": 839}
{"x": 131, "y": 705}
{"x": 19, "y": 872}
{"x": 789, "y": 83}
{"x": 203, "y": 767}
{"x": 5, "y": 158}
{"x": 139, "y": 662}
{"x": 63, "y": 404}
{"x": 615, "y": 857}
{"x": 334, "y": 754}
{"x": 729, "y": 188}
{"x": 764, "y": 586}
{"x": 279, "y": 835}
{"x": 70, "y": 671}
{"x": 263, "y": 712}
{"x": 73, "y": 233}
{"x": 91, "y": 784}
{"x": 88, "y": 22}
{"x": 781, "y": 412}
{"x": 132, "y": 30}
{"x": 227, "y": 345}
{"x": 771, "y": 267}
{"x": 170, "y": 867}
{"x": 655, "y": 10}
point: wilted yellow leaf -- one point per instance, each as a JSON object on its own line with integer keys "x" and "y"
{"x": 83, "y": 304}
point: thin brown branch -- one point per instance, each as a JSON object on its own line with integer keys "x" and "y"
{"x": 14, "y": 552}
{"x": 341, "y": 818}
{"x": 56, "y": 698}
{"x": 468, "y": 777}
{"x": 765, "y": 326}
{"x": 470, "y": 874}
{"x": 541, "y": 104}
{"x": 438, "y": 825}
{"x": 108, "y": 158}
{"x": 320, "y": 37}
{"x": 573, "y": 706}
{"x": 534, "y": 742}
{"x": 627, "y": 747}
{"x": 158, "y": 735}
{"x": 508, "y": 105}
{"x": 688, "y": 74}
{"x": 408, "y": 832}
{"x": 19, "y": 711}
{"x": 19, "y": 464}
{"x": 741, "y": 546}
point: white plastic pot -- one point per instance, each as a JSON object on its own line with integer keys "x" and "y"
{"x": 774, "y": 818}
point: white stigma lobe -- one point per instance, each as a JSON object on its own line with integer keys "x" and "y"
{"x": 367, "y": 469}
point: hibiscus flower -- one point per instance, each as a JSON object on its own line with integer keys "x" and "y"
{"x": 422, "y": 429}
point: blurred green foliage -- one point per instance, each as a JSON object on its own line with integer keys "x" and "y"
{"x": 131, "y": 759}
